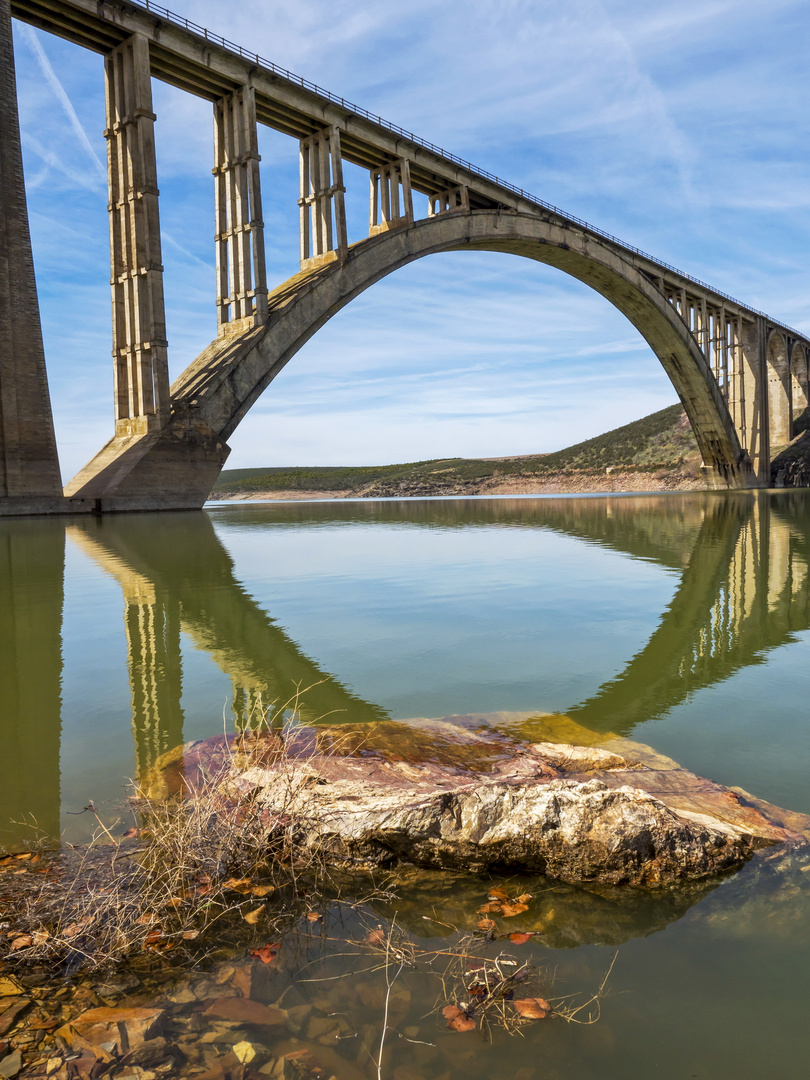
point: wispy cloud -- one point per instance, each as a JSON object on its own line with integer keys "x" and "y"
{"x": 55, "y": 161}
{"x": 52, "y": 79}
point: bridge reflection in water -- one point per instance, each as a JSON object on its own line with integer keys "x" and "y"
{"x": 180, "y": 577}
{"x": 32, "y": 571}
{"x": 743, "y": 590}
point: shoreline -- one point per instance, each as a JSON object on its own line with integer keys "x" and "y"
{"x": 617, "y": 481}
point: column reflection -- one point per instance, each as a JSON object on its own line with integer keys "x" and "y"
{"x": 176, "y": 576}
{"x": 32, "y": 568}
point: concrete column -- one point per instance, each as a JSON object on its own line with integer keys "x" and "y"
{"x": 736, "y": 390}
{"x": 798, "y": 380}
{"x": 29, "y": 466}
{"x": 755, "y": 436}
{"x": 716, "y": 347}
{"x": 390, "y": 198}
{"x": 139, "y": 320}
{"x": 704, "y": 339}
{"x": 321, "y": 203}
{"x": 722, "y": 359}
{"x": 780, "y": 422}
{"x": 455, "y": 198}
{"x": 241, "y": 273}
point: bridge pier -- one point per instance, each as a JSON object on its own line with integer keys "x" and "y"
{"x": 322, "y": 211}
{"x": 156, "y": 459}
{"x": 778, "y": 386}
{"x": 798, "y": 379}
{"x": 139, "y": 321}
{"x": 391, "y": 198}
{"x": 29, "y": 466}
{"x": 241, "y": 273}
{"x": 454, "y": 198}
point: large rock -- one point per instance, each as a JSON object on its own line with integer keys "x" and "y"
{"x": 487, "y": 801}
{"x": 566, "y": 829}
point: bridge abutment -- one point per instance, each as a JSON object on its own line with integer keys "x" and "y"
{"x": 171, "y": 469}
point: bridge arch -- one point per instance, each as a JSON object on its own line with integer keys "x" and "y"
{"x": 220, "y": 387}
{"x": 778, "y": 376}
{"x": 798, "y": 379}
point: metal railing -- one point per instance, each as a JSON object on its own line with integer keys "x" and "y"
{"x": 268, "y": 65}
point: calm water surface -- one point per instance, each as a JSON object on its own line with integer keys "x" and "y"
{"x": 681, "y": 621}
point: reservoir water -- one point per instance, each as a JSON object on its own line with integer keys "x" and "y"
{"x": 681, "y": 621}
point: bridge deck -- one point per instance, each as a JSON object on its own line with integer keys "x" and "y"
{"x": 191, "y": 58}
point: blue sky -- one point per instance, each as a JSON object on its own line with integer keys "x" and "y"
{"x": 683, "y": 129}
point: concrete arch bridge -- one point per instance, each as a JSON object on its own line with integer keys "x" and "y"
{"x": 741, "y": 375}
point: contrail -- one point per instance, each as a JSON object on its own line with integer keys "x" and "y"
{"x": 169, "y": 239}
{"x": 53, "y": 161}
{"x": 53, "y": 81}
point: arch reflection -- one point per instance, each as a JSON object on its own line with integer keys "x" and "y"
{"x": 176, "y": 576}
{"x": 743, "y": 590}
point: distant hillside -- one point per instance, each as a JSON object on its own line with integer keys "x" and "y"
{"x": 662, "y": 441}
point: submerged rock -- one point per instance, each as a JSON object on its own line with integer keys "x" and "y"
{"x": 559, "y": 915}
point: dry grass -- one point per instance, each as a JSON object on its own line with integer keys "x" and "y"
{"x": 206, "y": 865}
{"x": 199, "y": 857}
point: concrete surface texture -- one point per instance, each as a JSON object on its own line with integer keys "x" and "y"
{"x": 29, "y": 467}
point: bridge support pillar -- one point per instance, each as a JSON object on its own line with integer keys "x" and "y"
{"x": 735, "y": 398}
{"x": 139, "y": 320}
{"x": 754, "y": 427}
{"x": 391, "y": 198}
{"x": 798, "y": 380}
{"x": 454, "y": 198}
{"x": 777, "y": 373}
{"x": 29, "y": 466}
{"x": 323, "y": 215}
{"x": 241, "y": 273}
